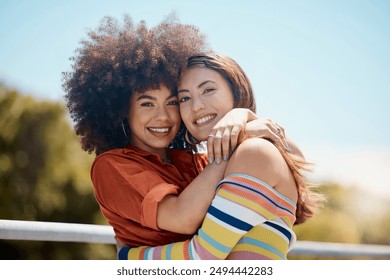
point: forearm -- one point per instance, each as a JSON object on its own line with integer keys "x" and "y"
{"x": 226, "y": 222}
{"x": 184, "y": 213}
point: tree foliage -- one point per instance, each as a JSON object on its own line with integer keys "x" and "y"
{"x": 44, "y": 176}
{"x": 349, "y": 216}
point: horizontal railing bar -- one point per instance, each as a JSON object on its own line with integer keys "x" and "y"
{"x": 87, "y": 233}
{"x": 340, "y": 250}
{"x": 60, "y": 232}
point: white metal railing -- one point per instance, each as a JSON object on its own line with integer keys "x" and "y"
{"x": 60, "y": 232}
{"x": 340, "y": 250}
{"x": 69, "y": 232}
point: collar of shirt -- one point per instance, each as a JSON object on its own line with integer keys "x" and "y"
{"x": 178, "y": 156}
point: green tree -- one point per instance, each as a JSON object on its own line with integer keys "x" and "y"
{"x": 349, "y": 216}
{"x": 44, "y": 176}
{"x": 333, "y": 223}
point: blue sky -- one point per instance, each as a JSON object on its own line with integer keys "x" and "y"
{"x": 319, "y": 68}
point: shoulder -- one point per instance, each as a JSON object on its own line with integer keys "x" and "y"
{"x": 259, "y": 158}
{"x": 114, "y": 161}
{"x": 258, "y": 150}
{"x": 256, "y": 142}
{"x": 106, "y": 158}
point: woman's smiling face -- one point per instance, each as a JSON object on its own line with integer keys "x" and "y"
{"x": 205, "y": 97}
{"x": 154, "y": 119}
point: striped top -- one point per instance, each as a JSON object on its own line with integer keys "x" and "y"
{"x": 248, "y": 219}
{"x": 274, "y": 237}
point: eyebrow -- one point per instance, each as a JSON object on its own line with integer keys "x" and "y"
{"x": 199, "y": 86}
{"x": 149, "y": 97}
{"x": 145, "y": 96}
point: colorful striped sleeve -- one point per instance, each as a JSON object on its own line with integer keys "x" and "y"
{"x": 240, "y": 204}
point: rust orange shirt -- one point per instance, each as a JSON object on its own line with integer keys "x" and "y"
{"x": 130, "y": 182}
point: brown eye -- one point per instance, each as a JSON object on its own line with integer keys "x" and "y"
{"x": 208, "y": 90}
{"x": 174, "y": 103}
{"x": 184, "y": 99}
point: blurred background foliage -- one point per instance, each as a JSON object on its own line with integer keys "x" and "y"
{"x": 44, "y": 176}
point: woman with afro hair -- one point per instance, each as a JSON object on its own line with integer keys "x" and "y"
{"x": 152, "y": 186}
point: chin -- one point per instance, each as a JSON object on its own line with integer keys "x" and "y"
{"x": 160, "y": 144}
{"x": 201, "y": 137}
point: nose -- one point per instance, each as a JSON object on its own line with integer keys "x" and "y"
{"x": 197, "y": 104}
{"x": 162, "y": 114}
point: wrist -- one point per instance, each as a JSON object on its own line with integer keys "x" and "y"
{"x": 251, "y": 116}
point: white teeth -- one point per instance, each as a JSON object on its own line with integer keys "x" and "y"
{"x": 204, "y": 119}
{"x": 159, "y": 130}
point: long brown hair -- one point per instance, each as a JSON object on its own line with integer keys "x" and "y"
{"x": 309, "y": 201}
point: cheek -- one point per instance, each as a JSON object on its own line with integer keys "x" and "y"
{"x": 136, "y": 125}
{"x": 223, "y": 105}
{"x": 226, "y": 109}
{"x": 229, "y": 100}
{"x": 184, "y": 113}
{"x": 226, "y": 106}
{"x": 174, "y": 115}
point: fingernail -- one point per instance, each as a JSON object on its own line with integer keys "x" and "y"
{"x": 225, "y": 157}
{"x": 211, "y": 159}
{"x": 217, "y": 160}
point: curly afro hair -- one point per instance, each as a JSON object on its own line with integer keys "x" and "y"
{"x": 116, "y": 61}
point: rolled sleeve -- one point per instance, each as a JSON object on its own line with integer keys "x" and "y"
{"x": 151, "y": 201}
{"x": 130, "y": 191}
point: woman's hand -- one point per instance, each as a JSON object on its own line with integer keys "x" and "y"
{"x": 266, "y": 128}
{"x": 224, "y": 137}
{"x": 228, "y": 133}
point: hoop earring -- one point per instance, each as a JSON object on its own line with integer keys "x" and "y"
{"x": 124, "y": 130}
{"x": 190, "y": 139}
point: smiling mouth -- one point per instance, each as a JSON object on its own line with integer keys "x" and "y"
{"x": 205, "y": 120}
{"x": 157, "y": 130}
